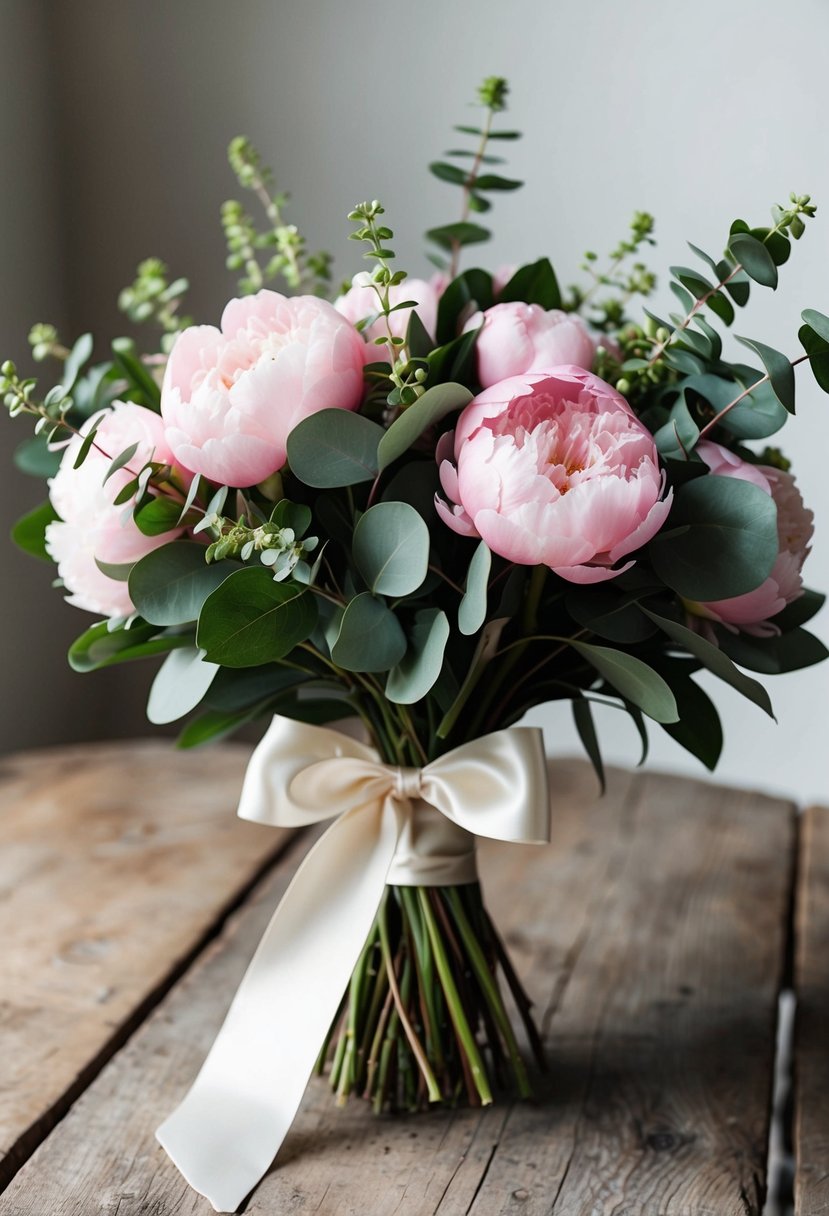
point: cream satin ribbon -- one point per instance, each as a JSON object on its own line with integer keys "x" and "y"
{"x": 405, "y": 825}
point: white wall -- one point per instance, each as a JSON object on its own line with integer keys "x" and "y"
{"x": 697, "y": 114}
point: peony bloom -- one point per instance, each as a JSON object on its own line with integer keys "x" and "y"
{"x": 231, "y": 396}
{"x": 752, "y": 612}
{"x": 90, "y": 524}
{"x": 517, "y": 338}
{"x": 360, "y": 301}
{"x": 553, "y": 467}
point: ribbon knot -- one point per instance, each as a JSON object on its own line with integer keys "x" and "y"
{"x": 225, "y": 1134}
{"x": 408, "y": 784}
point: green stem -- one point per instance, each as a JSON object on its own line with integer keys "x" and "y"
{"x": 416, "y": 1045}
{"x": 456, "y": 1011}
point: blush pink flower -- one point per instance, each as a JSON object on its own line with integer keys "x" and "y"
{"x": 517, "y": 338}
{"x": 554, "y": 468}
{"x": 231, "y": 396}
{"x": 90, "y": 524}
{"x": 753, "y": 612}
{"x": 360, "y": 301}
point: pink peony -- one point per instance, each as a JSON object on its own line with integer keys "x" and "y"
{"x": 360, "y": 301}
{"x": 517, "y": 338}
{"x": 752, "y": 612}
{"x": 553, "y": 467}
{"x": 90, "y": 525}
{"x": 232, "y": 396}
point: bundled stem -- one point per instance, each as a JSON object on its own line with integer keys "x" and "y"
{"x": 424, "y": 1019}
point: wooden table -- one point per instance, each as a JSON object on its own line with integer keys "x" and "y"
{"x": 654, "y": 936}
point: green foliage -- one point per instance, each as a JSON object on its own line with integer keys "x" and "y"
{"x": 632, "y": 679}
{"x": 29, "y": 533}
{"x": 170, "y": 585}
{"x": 334, "y": 448}
{"x": 534, "y": 284}
{"x": 152, "y": 298}
{"x": 391, "y": 549}
{"x": 369, "y": 637}
{"x": 472, "y": 608}
{"x": 430, "y": 409}
{"x": 104, "y": 646}
{"x": 249, "y": 619}
{"x": 418, "y": 670}
{"x": 583, "y": 718}
{"x": 180, "y": 684}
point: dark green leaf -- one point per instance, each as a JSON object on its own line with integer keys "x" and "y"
{"x": 807, "y": 605}
{"x": 714, "y": 659}
{"x": 699, "y": 729}
{"x": 29, "y": 533}
{"x": 294, "y": 515}
{"x": 583, "y": 718}
{"x": 470, "y": 291}
{"x": 491, "y": 181}
{"x": 214, "y": 724}
{"x": 334, "y": 448}
{"x": 817, "y": 321}
{"x": 460, "y": 233}
{"x": 448, "y": 173}
{"x": 236, "y": 689}
{"x": 636, "y": 682}
{"x": 418, "y": 339}
{"x": 455, "y": 361}
{"x": 141, "y": 381}
{"x": 370, "y": 636}
{"x": 774, "y": 655}
{"x": 434, "y": 405}
{"x": 754, "y": 258}
{"x": 817, "y": 349}
{"x": 158, "y": 516}
{"x": 533, "y": 284}
{"x": 101, "y": 647}
{"x": 250, "y": 619}
{"x": 170, "y": 585}
{"x": 609, "y": 615}
{"x": 779, "y": 369}
{"x": 720, "y": 539}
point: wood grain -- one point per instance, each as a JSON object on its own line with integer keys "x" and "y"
{"x": 652, "y": 937}
{"x": 115, "y": 863}
{"x": 811, "y": 1058}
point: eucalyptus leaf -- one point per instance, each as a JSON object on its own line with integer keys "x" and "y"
{"x": 180, "y": 685}
{"x": 391, "y": 548}
{"x": 817, "y": 348}
{"x": 170, "y": 584}
{"x": 416, "y": 673}
{"x": 158, "y": 516}
{"x": 428, "y": 410}
{"x": 714, "y": 659}
{"x": 633, "y": 679}
{"x": 754, "y": 258}
{"x": 720, "y": 540}
{"x": 370, "y": 636}
{"x": 334, "y": 448}
{"x": 100, "y": 646}
{"x": 472, "y": 609}
{"x": 460, "y": 233}
{"x": 779, "y": 370}
{"x": 250, "y": 619}
{"x": 29, "y": 533}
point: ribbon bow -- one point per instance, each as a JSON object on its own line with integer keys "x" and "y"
{"x": 407, "y": 826}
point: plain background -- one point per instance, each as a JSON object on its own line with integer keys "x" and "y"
{"x": 114, "y": 117}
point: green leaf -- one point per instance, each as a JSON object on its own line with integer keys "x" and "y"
{"x": 807, "y": 605}
{"x": 334, "y": 448}
{"x": 215, "y": 724}
{"x": 448, "y": 173}
{"x": 472, "y": 610}
{"x": 158, "y": 516}
{"x": 122, "y": 459}
{"x": 756, "y": 417}
{"x": 817, "y": 321}
{"x": 583, "y": 718}
{"x": 294, "y": 515}
{"x": 779, "y": 369}
{"x": 754, "y": 258}
{"x": 817, "y": 348}
{"x": 790, "y": 651}
{"x": 633, "y": 679}
{"x": 460, "y": 233}
{"x": 79, "y": 354}
{"x": 418, "y": 339}
{"x": 714, "y": 659}
{"x": 170, "y": 585}
{"x": 179, "y": 686}
{"x": 492, "y": 181}
{"x": 533, "y": 284}
{"x": 370, "y": 637}
{"x": 250, "y": 619}
{"x": 29, "y": 533}
{"x": 239, "y": 688}
{"x": 34, "y": 458}
{"x": 454, "y": 362}
{"x": 101, "y": 646}
{"x": 119, "y": 571}
{"x": 471, "y": 289}
{"x": 391, "y": 548}
{"x": 412, "y": 678}
{"x": 609, "y": 615}
{"x": 721, "y": 539}
{"x": 141, "y": 381}
{"x": 434, "y": 405}
{"x": 699, "y": 729}
{"x": 85, "y": 448}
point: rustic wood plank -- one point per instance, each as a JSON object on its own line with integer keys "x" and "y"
{"x": 811, "y": 1051}
{"x": 652, "y": 937}
{"x": 115, "y": 861}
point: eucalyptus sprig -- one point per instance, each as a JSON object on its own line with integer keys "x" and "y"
{"x": 151, "y": 297}
{"x": 277, "y": 542}
{"x": 475, "y": 182}
{"x": 290, "y": 259}
{"x": 406, "y": 374}
{"x": 637, "y": 279}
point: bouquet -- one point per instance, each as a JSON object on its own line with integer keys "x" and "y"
{"x": 429, "y": 506}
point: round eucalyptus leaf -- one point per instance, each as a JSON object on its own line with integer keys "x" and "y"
{"x": 170, "y": 584}
{"x": 721, "y": 539}
{"x": 472, "y": 609}
{"x": 370, "y": 638}
{"x": 391, "y": 548}
{"x": 250, "y": 619}
{"x": 180, "y": 684}
{"x": 334, "y": 448}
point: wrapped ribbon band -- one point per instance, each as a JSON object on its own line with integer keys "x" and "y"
{"x": 410, "y": 827}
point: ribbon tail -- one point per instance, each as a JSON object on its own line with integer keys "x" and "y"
{"x": 227, "y": 1131}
